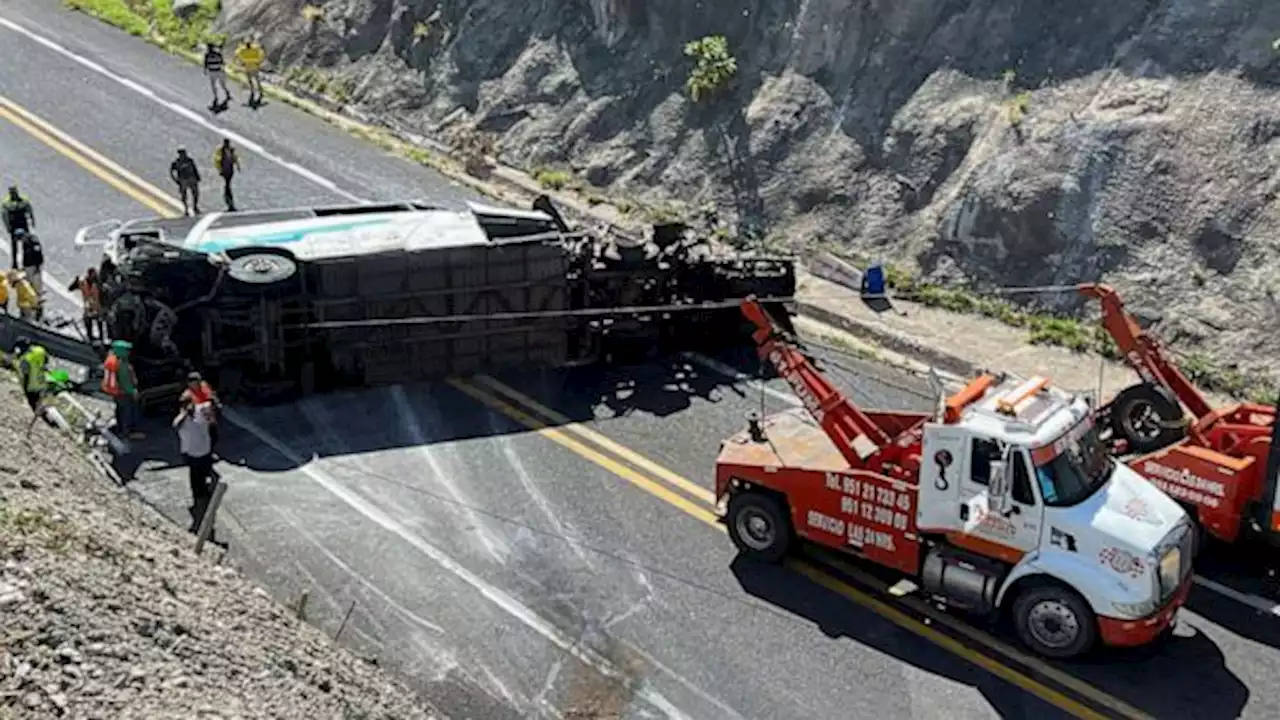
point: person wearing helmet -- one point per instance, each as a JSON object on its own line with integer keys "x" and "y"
{"x": 28, "y": 299}
{"x": 18, "y": 215}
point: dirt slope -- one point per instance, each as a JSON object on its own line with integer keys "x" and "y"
{"x": 108, "y": 614}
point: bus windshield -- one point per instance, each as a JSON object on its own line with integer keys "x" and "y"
{"x": 1076, "y": 472}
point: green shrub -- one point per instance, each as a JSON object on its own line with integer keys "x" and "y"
{"x": 1016, "y": 107}
{"x": 143, "y": 18}
{"x": 713, "y": 69}
{"x": 552, "y": 179}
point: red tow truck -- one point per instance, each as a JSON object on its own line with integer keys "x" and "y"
{"x": 1219, "y": 463}
{"x": 1004, "y": 500}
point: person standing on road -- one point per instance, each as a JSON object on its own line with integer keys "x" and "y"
{"x": 32, "y": 262}
{"x": 18, "y": 215}
{"x": 200, "y": 392}
{"x": 227, "y": 161}
{"x": 28, "y": 298}
{"x": 91, "y": 292}
{"x": 120, "y": 382}
{"x": 215, "y": 66}
{"x": 251, "y": 56}
{"x": 184, "y": 172}
{"x": 192, "y": 424}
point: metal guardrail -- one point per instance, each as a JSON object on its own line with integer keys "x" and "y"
{"x": 60, "y": 347}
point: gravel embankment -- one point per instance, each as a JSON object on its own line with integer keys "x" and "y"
{"x": 107, "y": 612}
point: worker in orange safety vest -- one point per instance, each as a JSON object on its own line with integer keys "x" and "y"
{"x": 91, "y": 290}
{"x": 120, "y": 382}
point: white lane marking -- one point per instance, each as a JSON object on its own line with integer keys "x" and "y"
{"x": 496, "y": 595}
{"x": 106, "y": 162}
{"x": 428, "y": 452}
{"x": 718, "y": 703}
{"x": 187, "y": 113}
{"x": 570, "y": 534}
{"x": 1260, "y": 604}
{"x": 351, "y": 572}
{"x": 1257, "y": 603}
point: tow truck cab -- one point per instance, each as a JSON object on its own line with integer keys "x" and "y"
{"x": 1021, "y": 478}
{"x": 1003, "y": 500}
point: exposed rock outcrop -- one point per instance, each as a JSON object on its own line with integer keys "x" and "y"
{"x": 1144, "y": 151}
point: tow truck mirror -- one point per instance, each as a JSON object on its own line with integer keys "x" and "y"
{"x": 997, "y": 486}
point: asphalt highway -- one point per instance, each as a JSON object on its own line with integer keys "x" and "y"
{"x": 540, "y": 544}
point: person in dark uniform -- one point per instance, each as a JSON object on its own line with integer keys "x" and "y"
{"x": 227, "y": 161}
{"x": 184, "y": 172}
{"x": 18, "y": 215}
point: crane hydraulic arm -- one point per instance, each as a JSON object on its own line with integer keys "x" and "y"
{"x": 856, "y": 436}
{"x": 1143, "y": 352}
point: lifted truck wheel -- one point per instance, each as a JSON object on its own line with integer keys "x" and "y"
{"x": 759, "y": 526}
{"x": 1054, "y": 621}
{"x": 1142, "y": 415}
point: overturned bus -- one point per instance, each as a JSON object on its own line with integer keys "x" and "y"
{"x": 275, "y": 304}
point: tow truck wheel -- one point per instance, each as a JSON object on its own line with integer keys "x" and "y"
{"x": 759, "y": 526}
{"x": 1146, "y": 418}
{"x": 1054, "y": 621}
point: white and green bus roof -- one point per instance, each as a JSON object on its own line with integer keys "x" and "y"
{"x": 343, "y": 231}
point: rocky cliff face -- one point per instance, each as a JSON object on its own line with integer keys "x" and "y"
{"x": 1143, "y": 152}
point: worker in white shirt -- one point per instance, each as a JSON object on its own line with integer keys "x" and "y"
{"x": 196, "y": 446}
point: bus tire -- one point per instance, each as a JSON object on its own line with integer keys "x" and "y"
{"x": 1054, "y": 621}
{"x": 759, "y": 526}
{"x": 1145, "y": 400}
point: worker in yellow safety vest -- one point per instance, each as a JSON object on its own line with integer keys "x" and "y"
{"x": 250, "y": 55}
{"x": 28, "y": 298}
{"x": 4, "y": 293}
{"x": 31, "y": 375}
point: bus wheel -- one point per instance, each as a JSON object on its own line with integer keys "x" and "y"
{"x": 1054, "y": 621}
{"x": 759, "y": 527}
{"x": 1147, "y": 418}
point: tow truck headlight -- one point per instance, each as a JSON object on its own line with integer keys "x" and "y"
{"x": 1170, "y": 570}
{"x": 1134, "y": 611}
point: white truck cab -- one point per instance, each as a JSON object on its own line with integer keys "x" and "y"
{"x": 1021, "y": 478}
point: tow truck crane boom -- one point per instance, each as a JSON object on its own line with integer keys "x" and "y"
{"x": 1221, "y": 466}
{"x": 855, "y": 435}
{"x": 1143, "y": 351}
{"x": 966, "y": 526}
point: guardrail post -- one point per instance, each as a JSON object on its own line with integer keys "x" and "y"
{"x": 206, "y": 522}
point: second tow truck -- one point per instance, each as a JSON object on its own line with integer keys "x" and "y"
{"x": 1001, "y": 501}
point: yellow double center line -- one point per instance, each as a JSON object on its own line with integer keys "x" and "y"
{"x": 690, "y": 498}
{"x": 699, "y": 502}
{"x": 89, "y": 159}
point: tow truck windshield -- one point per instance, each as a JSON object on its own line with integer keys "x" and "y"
{"x": 1075, "y": 473}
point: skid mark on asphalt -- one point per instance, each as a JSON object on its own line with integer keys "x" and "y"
{"x": 354, "y": 575}
{"x": 493, "y": 544}
{"x": 570, "y": 534}
{"x": 688, "y": 684}
{"x": 495, "y": 595}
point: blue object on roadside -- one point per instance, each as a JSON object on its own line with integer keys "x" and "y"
{"x": 873, "y": 280}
